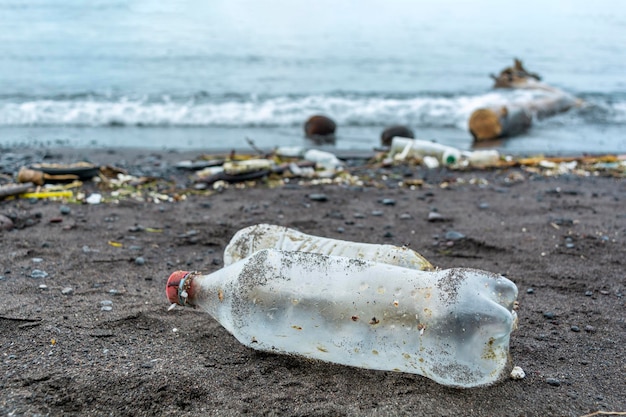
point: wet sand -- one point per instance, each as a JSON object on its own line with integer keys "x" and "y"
{"x": 94, "y": 337}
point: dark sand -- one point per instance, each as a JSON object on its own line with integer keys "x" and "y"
{"x": 560, "y": 239}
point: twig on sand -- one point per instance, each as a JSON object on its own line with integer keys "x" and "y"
{"x": 606, "y": 413}
{"x": 253, "y": 146}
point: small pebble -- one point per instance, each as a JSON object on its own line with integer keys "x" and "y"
{"x": 588, "y": 293}
{"x": 67, "y": 291}
{"x": 388, "y": 202}
{"x": 377, "y": 213}
{"x": 433, "y": 216}
{"x": 590, "y": 329}
{"x": 65, "y": 209}
{"x": 553, "y": 381}
{"x": 549, "y": 315}
{"x": 106, "y": 302}
{"x": 5, "y": 223}
{"x": 483, "y": 206}
{"x": 454, "y": 235}
{"x": 517, "y": 373}
{"x": 38, "y": 273}
{"x": 140, "y": 260}
{"x": 388, "y": 234}
{"x": 405, "y": 216}
{"x": 530, "y": 291}
{"x": 318, "y": 197}
{"x": 106, "y": 308}
{"x": 43, "y": 287}
{"x": 575, "y": 329}
{"x": 340, "y": 230}
{"x": 37, "y": 260}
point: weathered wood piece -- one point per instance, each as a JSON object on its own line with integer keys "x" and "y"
{"x": 510, "y": 120}
{"x": 493, "y": 123}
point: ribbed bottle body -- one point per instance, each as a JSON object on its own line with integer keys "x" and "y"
{"x": 452, "y": 326}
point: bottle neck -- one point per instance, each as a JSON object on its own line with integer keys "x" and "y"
{"x": 180, "y": 288}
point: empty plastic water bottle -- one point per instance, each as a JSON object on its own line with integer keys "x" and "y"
{"x": 266, "y": 236}
{"x": 452, "y": 326}
{"x": 401, "y": 148}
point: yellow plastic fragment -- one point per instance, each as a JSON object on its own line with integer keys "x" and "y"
{"x": 48, "y": 194}
{"x": 153, "y": 230}
{"x": 115, "y": 244}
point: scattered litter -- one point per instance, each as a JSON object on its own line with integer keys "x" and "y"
{"x": 286, "y": 165}
{"x": 338, "y": 286}
{"x": 94, "y": 198}
{"x": 48, "y": 194}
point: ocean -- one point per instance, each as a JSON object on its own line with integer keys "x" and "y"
{"x": 211, "y": 75}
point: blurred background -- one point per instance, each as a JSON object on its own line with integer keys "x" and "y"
{"x": 209, "y": 74}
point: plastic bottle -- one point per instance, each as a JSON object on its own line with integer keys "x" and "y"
{"x": 452, "y": 326}
{"x": 245, "y": 166}
{"x": 324, "y": 159}
{"x": 290, "y": 151}
{"x": 401, "y": 148}
{"x": 266, "y": 236}
{"x": 484, "y": 158}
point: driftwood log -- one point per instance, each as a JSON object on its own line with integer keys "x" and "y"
{"x": 511, "y": 120}
{"x": 493, "y": 123}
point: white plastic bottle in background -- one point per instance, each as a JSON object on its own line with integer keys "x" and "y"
{"x": 484, "y": 158}
{"x": 266, "y": 236}
{"x": 452, "y": 326}
{"x": 402, "y": 148}
{"x": 290, "y": 151}
{"x": 326, "y": 160}
{"x": 245, "y": 166}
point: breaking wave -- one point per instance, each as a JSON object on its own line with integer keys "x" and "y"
{"x": 233, "y": 110}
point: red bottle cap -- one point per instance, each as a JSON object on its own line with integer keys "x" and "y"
{"x": 173, "y": 284}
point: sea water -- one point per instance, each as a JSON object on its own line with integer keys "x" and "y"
{"x": 217, "y": 74}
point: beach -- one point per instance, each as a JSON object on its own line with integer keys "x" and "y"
{"x": 85, "y": 326}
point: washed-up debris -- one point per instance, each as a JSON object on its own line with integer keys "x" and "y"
{"x": 321, "y": 128}
{"x": 51, "y": 173}
{"x": 15, "y": 189}
{"x": 94, "y": 198}
{"x": 48, "y": 194}
{"x": 515, "y": 118}
{"x": 198, "y": 165}
{"x": 81, "y": 170}
{"x": 301, "y": 167}
{"x": 319, "y": 297}
{"x": 266, "y": 236}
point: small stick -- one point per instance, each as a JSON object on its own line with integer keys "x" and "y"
{"x": 253, "y": 146}
{"x": 10, "y": 190}
{"x": 606, "y": 413}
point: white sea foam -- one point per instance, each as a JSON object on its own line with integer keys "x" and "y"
{"x": 351, "y": 110}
